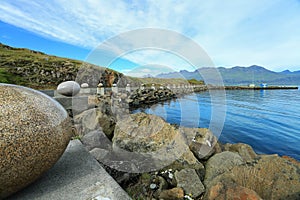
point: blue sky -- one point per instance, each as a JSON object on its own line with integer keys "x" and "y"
{"x": 232, "y": 32}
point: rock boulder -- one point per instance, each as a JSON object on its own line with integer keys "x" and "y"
{"x": 143, "y": 133}
{"x": 188, "y": 160}
{"x": 221, "y": 163}
{"x": 93, "y": 120}
{"x": 201, "y": 141}
{"x": 223, "y": 192}
{"x": 190, "y": 182}
{"x": 270, "y": 176}
{"x": 172, "y": 194}
{"x": 244, "y": 150}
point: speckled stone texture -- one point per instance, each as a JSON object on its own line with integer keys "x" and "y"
{"x": 34, "y": 132}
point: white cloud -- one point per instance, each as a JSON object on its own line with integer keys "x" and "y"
{"x": 148, "y": 69}
{"x": 232, "y": 32}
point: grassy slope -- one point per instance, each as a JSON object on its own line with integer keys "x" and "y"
{"x": 162, "y": 81}
{"x": 33, "y": 69}
{"x": 41, "y": 71}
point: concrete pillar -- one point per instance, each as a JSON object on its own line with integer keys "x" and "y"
{"x": 152, "y": 87}
{"x": 100, "y": 89}
{"x": 128, "y": 89}
{"x": 114, "y": 88}
{"x": 85, "y": 88}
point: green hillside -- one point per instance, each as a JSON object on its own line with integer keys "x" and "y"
{"x": 41, "y": 71}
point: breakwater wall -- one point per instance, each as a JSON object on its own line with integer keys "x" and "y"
{"x": 133, "y": 97}
{"x": 122, "y": 98}
{"x": 148, "y": 96}
{"x": 142, "y": 96}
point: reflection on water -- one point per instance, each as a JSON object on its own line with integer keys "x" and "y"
{"x": 268, "y": 120}
{"x": 262, "y": 93}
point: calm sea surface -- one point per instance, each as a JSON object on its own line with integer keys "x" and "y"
{"x": 268, "y": 120}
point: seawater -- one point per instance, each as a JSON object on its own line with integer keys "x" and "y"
{"x": 268, "y": 120}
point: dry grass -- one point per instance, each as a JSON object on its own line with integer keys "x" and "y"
{"x": 260, "y": 180}
{"x": 160, "y": 81}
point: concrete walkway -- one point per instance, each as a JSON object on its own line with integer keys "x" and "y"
{"x": 77, "y": 176}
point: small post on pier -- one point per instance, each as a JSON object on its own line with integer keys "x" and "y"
{"x": 152, "y": 87}
{"x": 100, "y": 89}
{"x": 114, "y": 88}
{"x": 127, "y": 88}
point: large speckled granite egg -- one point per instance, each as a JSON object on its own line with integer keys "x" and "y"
{"x": 34, "y": 132}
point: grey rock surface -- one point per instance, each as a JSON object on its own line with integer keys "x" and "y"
{"x": 77, "y": 176}
{"x": 188, "y": 180}
{"x": 143, "y": 133}
{"x": 244, "y": 150}
{"x": 188, "y": 160}
{"x": 93, "y": 119}
{"x": 201, "y": 141}
{"x": 96, "y": 139}
{"x": 220, "y": 163}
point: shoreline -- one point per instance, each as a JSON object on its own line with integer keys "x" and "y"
{"x": 200, "y": 88}
{"x": 261, "y": 88}
{"x": 195, "y": 172}
{"x": 198, "y": 165}
{"x": 123, "y": 102}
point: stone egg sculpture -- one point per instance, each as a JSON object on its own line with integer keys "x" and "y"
{"x": 34, "y": 132}
{"x": 68, "y": 88}
{"x": 84, "y": 85}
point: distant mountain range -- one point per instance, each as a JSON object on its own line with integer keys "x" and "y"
{"x": 38, "y": 70}
{"x": 241, "y": 75}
